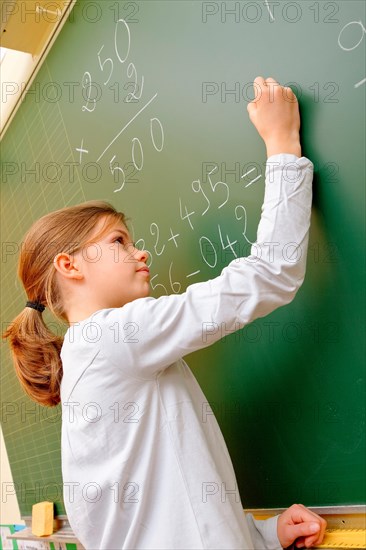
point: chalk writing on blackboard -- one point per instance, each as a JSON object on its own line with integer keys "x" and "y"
{"x": 122, "y": 47}
{"x": 345, "y": 46}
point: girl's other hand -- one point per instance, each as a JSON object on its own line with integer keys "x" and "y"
{"x": 300, "y": 524}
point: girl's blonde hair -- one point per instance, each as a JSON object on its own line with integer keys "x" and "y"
{"x": 35, "y": 349}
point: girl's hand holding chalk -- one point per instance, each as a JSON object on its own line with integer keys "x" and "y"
{"x": 275, "y": 114}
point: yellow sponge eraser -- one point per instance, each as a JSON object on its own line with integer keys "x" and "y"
{"x": 42, "y": 519}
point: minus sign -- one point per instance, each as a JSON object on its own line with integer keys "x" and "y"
{"x": 195, "y": 273}
{"x": 359, "y": 83}
{"x": 255, "y": 179}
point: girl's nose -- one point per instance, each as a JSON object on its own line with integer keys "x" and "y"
{"x": 141, "y": 255}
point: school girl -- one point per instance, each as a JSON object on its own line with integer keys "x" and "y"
{"x": 138, "y": 459}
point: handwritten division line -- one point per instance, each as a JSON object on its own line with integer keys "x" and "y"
{"x": 124, "y": 128}
{"x": 255, "y": 179}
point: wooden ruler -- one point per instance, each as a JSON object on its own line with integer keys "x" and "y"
{"x": 344, "y": 538}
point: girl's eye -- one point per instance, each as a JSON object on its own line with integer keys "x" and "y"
{"x": 119, "y": 240}
{"x": 122, "y": 241}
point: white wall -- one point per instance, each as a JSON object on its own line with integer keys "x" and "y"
{"x": 9, "y": 510}
{"x": 15, "y": 70}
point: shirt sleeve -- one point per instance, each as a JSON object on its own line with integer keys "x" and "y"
{"x": 264, "y": 532}
{"x": 148, "y": 334}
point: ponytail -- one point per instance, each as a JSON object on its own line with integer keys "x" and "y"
{"x": 36, "y": 356}
{"x": 34, "y": 348}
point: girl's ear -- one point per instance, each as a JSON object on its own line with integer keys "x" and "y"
{"x": 67, "y": 266}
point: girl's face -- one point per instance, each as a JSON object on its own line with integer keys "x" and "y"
{"x": 114, "y": 270}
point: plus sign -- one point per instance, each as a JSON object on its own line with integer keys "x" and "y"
{"x": 172, "y": 238}
{"x": 81, "y": 150}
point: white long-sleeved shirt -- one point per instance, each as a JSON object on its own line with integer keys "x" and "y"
{"x": 144, "y": 466}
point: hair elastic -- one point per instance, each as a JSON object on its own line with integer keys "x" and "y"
{"x": 36, "y": 305}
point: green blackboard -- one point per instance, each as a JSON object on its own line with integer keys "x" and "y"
{"x": 143, "y": 104}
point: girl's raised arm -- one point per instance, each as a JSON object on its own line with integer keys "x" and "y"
{"x": 170, "y": 327}
{"x": 162, "y": 330}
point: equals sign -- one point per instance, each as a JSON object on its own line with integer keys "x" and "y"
{"x": 255, "y": 179}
